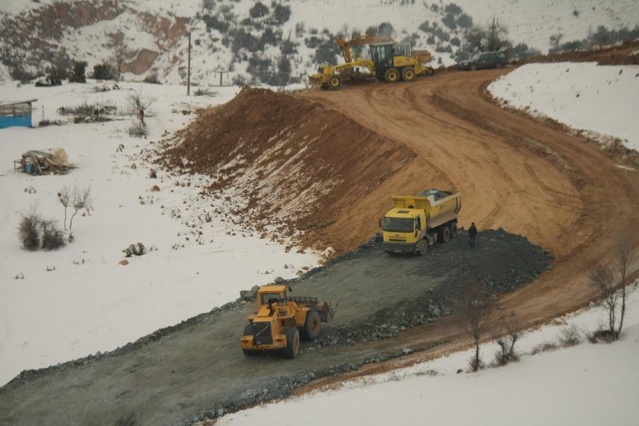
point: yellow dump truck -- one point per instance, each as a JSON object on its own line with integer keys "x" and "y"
{"x": 281, "y": 320}
{"x": 419, "y": 221}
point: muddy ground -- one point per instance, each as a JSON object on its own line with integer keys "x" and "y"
{"x": 196, "y": 370}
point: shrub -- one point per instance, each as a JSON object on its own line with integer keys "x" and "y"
{"x": 36, "y": 233}
{"x": 134, "y": 249}
{"x": 281, "y": 14}
{"x": 28, "y": 230}
{"x": 103, "y": 72}
{"x": 258, "y": 10}
{"x": 139, "y": 130}
{"x": 569, "y": 336}
{"x": 52, "y": 236}
{"x": 78, "y": 74}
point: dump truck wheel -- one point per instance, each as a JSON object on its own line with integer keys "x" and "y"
{"x": 312, "y": 325}
{"x": 408, "y": 74}
{"x": 335, "y": 82}
{"x": 250, "y": 352}
{"x": 444, "y": 234}
{"x": 453, "y": 230}
{"x": 292, "y": 343}
{"x": 391, "y": 75}
{"x": 422, "y": 247}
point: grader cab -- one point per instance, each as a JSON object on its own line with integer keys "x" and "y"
{"x": 282, "y": 320}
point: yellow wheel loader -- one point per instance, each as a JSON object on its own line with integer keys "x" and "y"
{"x": 282, "y": 320}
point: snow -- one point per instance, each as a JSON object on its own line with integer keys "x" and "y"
{"x": 581, "y": 385}
{"x": 90, "y": 302}
{"x": 602, "y": 100}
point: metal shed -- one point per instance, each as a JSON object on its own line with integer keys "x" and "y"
{"x": 16, "y": 113}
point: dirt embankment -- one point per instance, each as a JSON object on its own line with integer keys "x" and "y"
{"x": 296, "y": 162}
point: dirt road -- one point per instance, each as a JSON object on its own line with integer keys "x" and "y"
{"x": 559, "y": 191}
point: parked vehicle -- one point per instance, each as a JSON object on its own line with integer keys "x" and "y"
{"x": 281, "y": 320}
{"x": 418, "y": 221}
{"x": 484, "y": 60}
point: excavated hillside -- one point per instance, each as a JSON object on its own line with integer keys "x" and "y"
{"x": 294, "y": 161}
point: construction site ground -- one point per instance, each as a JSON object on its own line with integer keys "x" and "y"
{"x": 549, "y": 205}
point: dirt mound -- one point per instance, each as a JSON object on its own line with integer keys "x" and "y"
{"x": 294, "y": 161}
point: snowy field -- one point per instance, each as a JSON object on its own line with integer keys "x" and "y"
{"x": 602, "y": 100}
{"x": 88, "y": 302}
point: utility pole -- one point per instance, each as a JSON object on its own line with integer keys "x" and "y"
{"x": 188, "y": 69}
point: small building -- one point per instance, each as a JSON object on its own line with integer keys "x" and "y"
{"x": 16, "y": 113}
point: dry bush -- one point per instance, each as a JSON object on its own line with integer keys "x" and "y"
{"x": 36, "y": 233}
{"x": 28, "y": 230}
{"x": 569, "y": 336}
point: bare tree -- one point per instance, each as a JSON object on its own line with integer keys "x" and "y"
{"x": 611, "y": 283}
{"x": 77, "y": 200}
{"x": 495, "y": 33}
{"x": 121, "y": 53}
{"x": 513, "y": 329}
{"x": 555, "y": 40}
{"x": 475, "y": 309}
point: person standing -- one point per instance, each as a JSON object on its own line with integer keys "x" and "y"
{"x": 472, "y": 234}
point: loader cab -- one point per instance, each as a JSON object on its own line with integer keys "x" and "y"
{"x": 269, "y": 293}
{"x": 382, "y": 54}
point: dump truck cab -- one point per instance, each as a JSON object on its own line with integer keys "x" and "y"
{"x": 403, "y": 228}
{"x": 281, "y": 320}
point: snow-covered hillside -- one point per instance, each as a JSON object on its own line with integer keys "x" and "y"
{"x": 229, "y": 37}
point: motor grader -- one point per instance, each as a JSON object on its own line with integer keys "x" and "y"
{"x": 281, "y": 320}
{"x": 390, "y": 62}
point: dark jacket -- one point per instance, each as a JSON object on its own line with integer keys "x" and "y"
{"x": 472, "y": 231}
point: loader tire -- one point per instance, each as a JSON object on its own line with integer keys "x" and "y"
{"x": 444, "y": 235}
{"x": 422, "y": 247}
{"x": 391, "y": 75}
{"x": 292, "y": 343}
{"x": 335, "y": 82}
{"x": 312, "y": 326}
{"x": 408, "y": 74}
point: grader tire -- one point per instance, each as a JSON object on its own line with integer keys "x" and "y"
{"x": 312, "y": 326}
{"x": 408, "y": 74}
{"x": 335, "y": 82}
{"x": 292, "y": 343}
{"x": 391, "y": 75}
